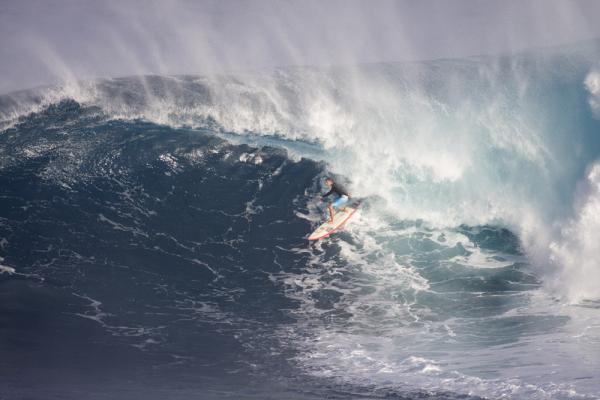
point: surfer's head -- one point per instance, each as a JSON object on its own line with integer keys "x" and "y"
{"x": 328, "y": 181}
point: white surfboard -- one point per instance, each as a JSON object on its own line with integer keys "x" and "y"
{"x": 339, "y": 219}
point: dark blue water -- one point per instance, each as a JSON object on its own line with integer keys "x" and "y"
{"x": 130, "y": 268}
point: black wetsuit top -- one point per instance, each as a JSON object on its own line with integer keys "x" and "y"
{"x": 335, "y": 188}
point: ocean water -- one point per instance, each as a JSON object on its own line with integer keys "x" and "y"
{"x": 153, "y": 233}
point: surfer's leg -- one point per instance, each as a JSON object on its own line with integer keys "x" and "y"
{"x": 344, "y": 202}
{"x": 330, "y": 207}
{"x": 341, "y": 203}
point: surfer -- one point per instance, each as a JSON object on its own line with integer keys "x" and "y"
{"x": 342, "y": 199}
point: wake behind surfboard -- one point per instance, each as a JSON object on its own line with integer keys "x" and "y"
{"x": 339, "y": 219}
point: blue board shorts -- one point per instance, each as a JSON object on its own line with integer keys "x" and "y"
{"x": 342, "y": 200}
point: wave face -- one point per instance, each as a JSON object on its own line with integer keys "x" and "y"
{"x": 153, "y": 233}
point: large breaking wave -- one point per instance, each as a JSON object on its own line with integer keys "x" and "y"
{"x": 481, "y": 185}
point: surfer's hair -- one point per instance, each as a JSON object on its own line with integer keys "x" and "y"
{"x": 328, "y": 178}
